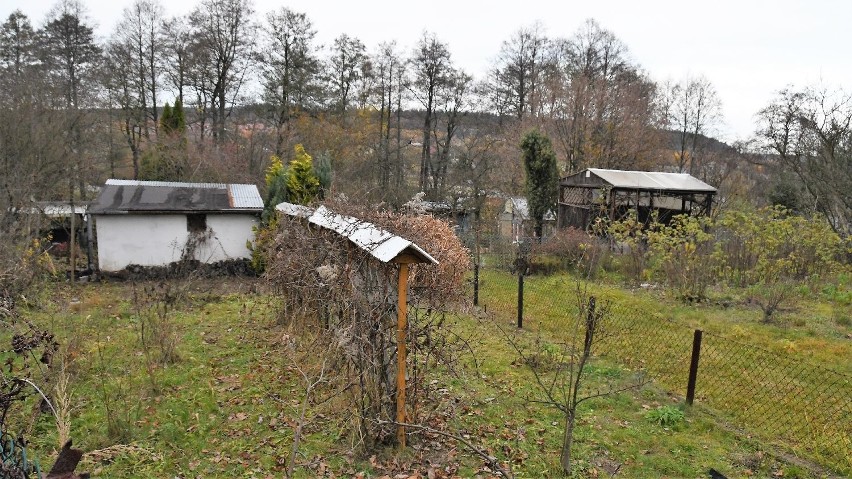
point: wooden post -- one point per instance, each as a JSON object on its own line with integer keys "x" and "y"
{"x": 402, "y": 325}
{"x": 693, "y": 367}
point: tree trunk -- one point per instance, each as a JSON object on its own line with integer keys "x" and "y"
{"x": 567, "y": 442}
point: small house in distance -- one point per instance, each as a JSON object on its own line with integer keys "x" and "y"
{"x": 154, "y": 223}
{"x": 514, "y": 222}
{"x": 597, "y": 193}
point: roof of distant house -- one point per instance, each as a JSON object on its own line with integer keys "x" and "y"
{"x": 521, "y": 209}
{"x": 134, "y": 196}
{"x": 646, "y": 180}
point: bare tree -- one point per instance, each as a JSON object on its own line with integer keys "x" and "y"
{"x": 691, "y": 109}
{"x": 560, "y": 377}
{"x": 346, "y": 67}
{"x": 123, "y": 93}
{"x": 176, "y": 52}
{"x": 290, "y": 68}
{"x": 809, "y": 132}
{"x": 69, "y": 56}
{"x": 32, "y": 129}
{"x": 454, "y": 100}
{"x": 432, "y": 69}
{"x": 222, "y": 34}
{"x": 603, "y": 109}
{"x": 390, "y": 80}
{"x": 516, "y": 75}
{"x": 140, "y": 33}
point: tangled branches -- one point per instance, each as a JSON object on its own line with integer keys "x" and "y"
{"x": 327, "y": 283}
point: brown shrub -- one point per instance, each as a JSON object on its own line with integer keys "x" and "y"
{"x": 571, "y": 249}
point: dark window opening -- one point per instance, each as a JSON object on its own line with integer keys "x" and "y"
{"x": 196, "y": 223}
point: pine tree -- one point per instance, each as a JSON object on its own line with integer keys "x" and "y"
{"x": 166, "y": 119}
{"x": 178, "y": 118}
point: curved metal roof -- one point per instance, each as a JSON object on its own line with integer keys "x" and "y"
{"x": 381, "y": 244}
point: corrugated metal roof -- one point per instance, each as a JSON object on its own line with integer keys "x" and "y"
{"x": 245, "y": 196}
{"x": 381, "y": 244}
{"x": 651, "y": 180}
{"x": 172, "y": 184}
{"x": 59, "y": 209}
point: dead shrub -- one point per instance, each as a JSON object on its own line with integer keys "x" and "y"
{"x": 331, "y": 286}
{"x": 571, "y": 249}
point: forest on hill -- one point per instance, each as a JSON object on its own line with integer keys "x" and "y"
{"x": 214, "y": 94}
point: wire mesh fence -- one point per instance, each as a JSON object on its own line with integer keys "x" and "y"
{"x": 786, "y": 401}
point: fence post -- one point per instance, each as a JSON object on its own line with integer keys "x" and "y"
{"x": 476, "y": 283}
{"x": 520, "y": 299}
{"x": 693, "y": 367}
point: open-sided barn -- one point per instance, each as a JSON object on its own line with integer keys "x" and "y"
{"x": 154, "y": 223}
{"x": 595, "y": 193}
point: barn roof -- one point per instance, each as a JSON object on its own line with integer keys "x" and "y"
{"x": 133, "y": 196}
{"x": 646, "y": 180}
{"x": 381, "y": 244}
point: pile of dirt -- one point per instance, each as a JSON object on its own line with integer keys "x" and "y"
{"x": 183, "y": 269}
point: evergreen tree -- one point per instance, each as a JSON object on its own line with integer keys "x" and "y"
{"x": 303, "y": 185}
{"x": 178, "y": 118}
{"x": 322, "y": 169}
{"x": 276, "y": 189}
{"x": 542, "y": 176}
{"x": 166, "y": 120}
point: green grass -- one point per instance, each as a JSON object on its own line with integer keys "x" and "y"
{"x": 761, "y": 378}
{"x": 227, "y": 406}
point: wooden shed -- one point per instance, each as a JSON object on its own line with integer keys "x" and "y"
{"x": 598, "y": 193}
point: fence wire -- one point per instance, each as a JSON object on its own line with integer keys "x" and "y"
{"x": 786, "y": 401}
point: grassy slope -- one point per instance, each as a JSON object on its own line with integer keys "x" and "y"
{"x": 227, "y": 407}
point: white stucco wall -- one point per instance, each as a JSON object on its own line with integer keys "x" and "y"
{"x": 155, "y": 240}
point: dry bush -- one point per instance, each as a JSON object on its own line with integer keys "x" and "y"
{"x": 434, "y": 285}
{"x": 572, "y": 249}
{"x": 329, "y": 285}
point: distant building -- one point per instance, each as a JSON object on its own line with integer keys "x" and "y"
{"x": 514, "y": 222}
{"x": 154, "y": 223}
{"x": 597, "y": 193}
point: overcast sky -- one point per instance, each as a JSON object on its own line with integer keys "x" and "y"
{"x": 748, "y": 49}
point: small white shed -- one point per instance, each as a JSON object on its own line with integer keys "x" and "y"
{"x": 154, "y": 223}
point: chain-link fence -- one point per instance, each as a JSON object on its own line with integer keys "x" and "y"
{"x": 782, "y": 400}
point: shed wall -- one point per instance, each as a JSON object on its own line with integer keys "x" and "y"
{"x": 156, "y": 240}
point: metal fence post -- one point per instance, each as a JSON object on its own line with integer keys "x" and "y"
{"x": 520, "y": 299}
{"x": 693, "y": 367}
{"x": 476, "y": 283}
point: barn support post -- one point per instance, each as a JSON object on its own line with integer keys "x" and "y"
{"x": 402, "y": 326}
{"x": 693, "y": 367}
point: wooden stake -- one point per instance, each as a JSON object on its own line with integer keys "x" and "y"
{"x": 402, "y": 326}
